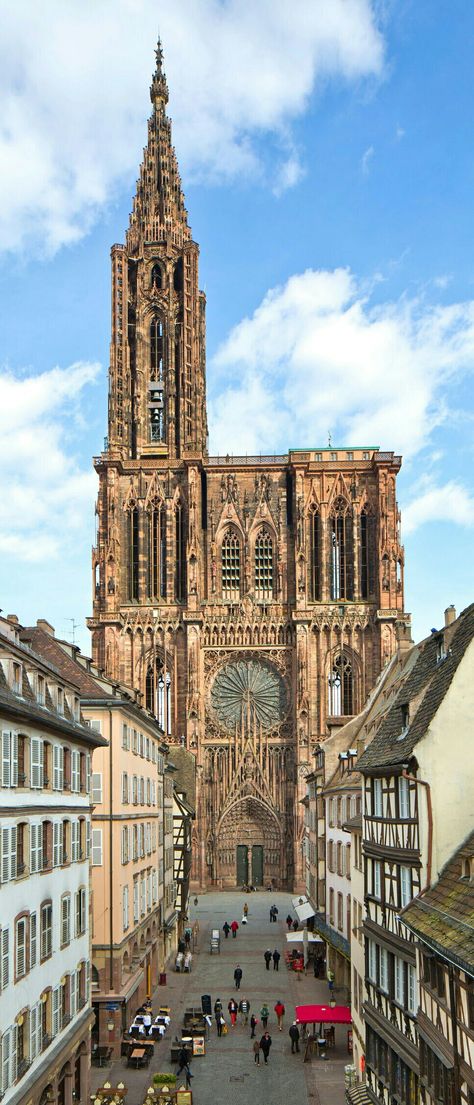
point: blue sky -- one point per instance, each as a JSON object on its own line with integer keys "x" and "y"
{"x": 327, "y": 158}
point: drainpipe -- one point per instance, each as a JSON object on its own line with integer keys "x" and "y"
{"x": 111, "y": 878}
{"x": 429, "y": 810}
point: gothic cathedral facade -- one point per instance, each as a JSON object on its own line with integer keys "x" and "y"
{"x": 252, "y": 601}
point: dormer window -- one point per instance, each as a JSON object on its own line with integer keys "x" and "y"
{"x": 405, "y": 720}
{"x": 60, "y": 700}
{"x": 16, "y": 678}
{"x": 440, "y": 649}
{"x": 41, "y": 690}
{"x": 467, "y": 869}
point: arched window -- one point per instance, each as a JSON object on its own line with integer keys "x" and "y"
{"x": 341, "y": 688}
{"x": 156, "y": 276}
{"x": 314, "y": 565}
{"x": 157, "y": 701}
{"x": 157, "y": 552}
{"x": 156, "y": 350}
{"x": 341, "y": 551}
{"x": 178, "y": 275}
{"x": 180, "y": 554}
{"x": 133, "y": 552}
{"x": 231, "y": 566}
{"x": 264, "y": 566}
{"x": 367, "y": 554}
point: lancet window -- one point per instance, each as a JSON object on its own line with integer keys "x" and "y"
{"x": 341, "y": 687}
{"x": 314, "y": 556}
{"x": 180, "y": 554}
{"x": 156, "y": 277}
{"x": 264, "y": 566}
{"x": 133, "y": 552}
{"x": 367, "y": 554}
{"x": 341, "y": 551}
{"x": 156, "y": 349}
{"x": 157, "y": 551}
{"x": 230, "y": 564}
{"x": 158, "y": 694}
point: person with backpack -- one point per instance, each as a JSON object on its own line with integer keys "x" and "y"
{"x": 234, "y": 926}
{"x": 264, "y": 1013}
{"x": 276, "y": 959}
{"x": 238, "y": 977}
{"x": 256, "y": 1051}
{"x": 244, "y": 1010}
{"x": 226, "y": 929}
{"x": 267, "y": 957}
{"x": 294, "y": 1034}
{"x": 280, "y": 1012}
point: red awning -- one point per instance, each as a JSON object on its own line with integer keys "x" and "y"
{"x": 323, "y": 1014}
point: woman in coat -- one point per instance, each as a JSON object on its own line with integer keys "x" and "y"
{"x": 265, "y": 1045}
{"x": 233, "y": 1009}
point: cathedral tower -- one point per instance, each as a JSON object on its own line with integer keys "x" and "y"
{"x": 252, "y": 601}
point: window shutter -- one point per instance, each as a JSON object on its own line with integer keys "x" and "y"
{"x": 96, "y": 787}
{"x": 88, "y": 839}
{"x": 5, "y": 1061}
{"x": 75, "y": 771}
{"x": 97, "y": 847}
{"x": 33, "y": 941}
{"x": 36, "y": 762}
{"x": 57, "y": 842}
{"x": 13, "y": 1054}
{"x": 55, "y": 1011}
{"x": 20, "y": 948}
{"x": 5, "y": 972}
{"x": 88, "y": 772}
{"x": 14, "y": 760}
{"x": 125, "y": 908}
{"x": 6, "y": 745}
{"x": 13, "y": 852}
{"x": 33, "y": 1039}
{"x": 73, "y": 993}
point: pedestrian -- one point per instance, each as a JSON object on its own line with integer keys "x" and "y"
{"x": 256, "y": 1051}
{"x": 294, "y": 1034}
{"x": 188, "y": 1076}
{"x": 271, "y": 913}
{"x": 276, "y": 959}
{"x": 280, "y": 1012}
{"x": 244, "y": 1010}
{"x": 234, "y": 926}
{"x": 237, "y": 977}
{"x": 183, "y": 1059}
{"x": 295, "y": 925}
{"x": 226, "y": 928}
{"x": 264, "y": 1013}
{"x": 195, "y": 901}
{"x": 265, "y": 1044}
{"x": 233, "y": 1009}
{"x": 289, "y": 922}
{"x": 330, "y": 975}
{"x": 246, "y": 909}
{"x": 217, "y": 1008}
{"x": 253, "y": 1025}
{"x": 220, "y": 1022}
{"x": 275, "y": 913}
{"x": 267, "y": 957}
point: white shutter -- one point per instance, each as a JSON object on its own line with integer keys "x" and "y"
{"x": 36, "y": 766}
{"x": 33, "y": 939}
{"x": 5, "y": 1061}
{"x": 35, "y": 1022}
{"x": 13, "y": 1053}
{"x": 88, "y": 773}
{"x": 73, "y": 993}
{"x": 125, "y": 908}
{"x": 96, "y": 787}
{"x": 88, "y": 839}
{"x": 136, "y": 913}
{"x": 36, "y": 847}
{"x": 56, "y": 767}
{"x": 6, "y": 746}
{"x": 5, "y": 854}
{"x": 14, "y": 760}
{"x": 55, "y": 1011}
{"x": 20, "y": 968}
{"x": 143, "y": 896}
{"x": 57, "y": 843}
{"x": 75, "y": 840}
{"x": 97, "y": 847}
{"x": 75, "y": 771}
{"x": 124, "y": 845}
{"x": 5, "y": 971}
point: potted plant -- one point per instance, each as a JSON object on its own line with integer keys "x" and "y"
{"x": 164, "y": 1078}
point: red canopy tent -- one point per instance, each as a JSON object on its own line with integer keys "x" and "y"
{"x": 323, "y": 1014}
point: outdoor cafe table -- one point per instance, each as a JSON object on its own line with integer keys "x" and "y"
{"x": 323, "y": 1014}
{"x": 137, "y": 1056}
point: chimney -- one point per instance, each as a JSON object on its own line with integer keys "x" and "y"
{"x": 43, "y": 624}
{"x": 403, "y": 632}
{"x": 13, "y": 619}
{"x": 449, "y": 615}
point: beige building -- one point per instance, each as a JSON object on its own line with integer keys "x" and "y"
{"x": 442, "y": 921}
{"x": 134, "y": 917}
{"x": 45, "y": 894}
{"x": 418, "y": 779}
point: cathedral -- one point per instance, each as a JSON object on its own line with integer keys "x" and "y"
{"x": 251, "y": 601}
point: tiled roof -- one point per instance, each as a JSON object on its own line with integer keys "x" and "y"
{"x": 444, "y": 915}
{"x": 52, "y": 650}
{"x": 423, "y": 690}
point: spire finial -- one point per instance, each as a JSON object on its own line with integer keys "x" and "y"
{"x": 159, "y": 87}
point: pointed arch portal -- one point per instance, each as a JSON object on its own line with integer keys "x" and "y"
{"x": 249, "y": 845}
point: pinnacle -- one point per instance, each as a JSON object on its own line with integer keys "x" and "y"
{"x": 159, "y": 87}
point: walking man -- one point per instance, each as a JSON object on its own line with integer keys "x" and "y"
{"x": 280, "y": 1012}
{"x": 237, "y": 977}
{"x": 183, "y": 1060}
{"x": 265, "y": 1044}
{"x": 264, "y": 1013}
{"x": 226, "y": 928}
{"x": 275, "y": 913}
{"x": 294, "y": 1034}
{"x": 253, "y": 1025}
{"x": 244, "y": 1010}
{"x": 256, "y": 1051}
{"x": 234, "y": 926}
{"x": 219, "y": 1023}
{"x": 289, "y": 922}
{"x": 276, "y": 959}
{"x": 267, "y": 957}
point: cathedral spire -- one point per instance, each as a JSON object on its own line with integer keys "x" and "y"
{"x": 159, "y": 211}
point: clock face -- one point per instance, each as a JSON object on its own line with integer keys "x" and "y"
{"x": 246, "y": 692}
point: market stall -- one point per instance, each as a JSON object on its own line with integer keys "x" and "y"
{"x": 323, "y": 1015}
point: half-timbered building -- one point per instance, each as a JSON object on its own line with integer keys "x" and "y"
{"x": 442, "y": 921}
{"x": 417, "y": 772}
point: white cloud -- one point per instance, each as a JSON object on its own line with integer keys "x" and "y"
{"x": 46, "y": 495}
{"x": 289, "y": 173}
{"x": 74, "y": 83}
{"x": 452, "y": 503}
{"x": 318, "y": 355}
{"x": 366, "y": 160}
